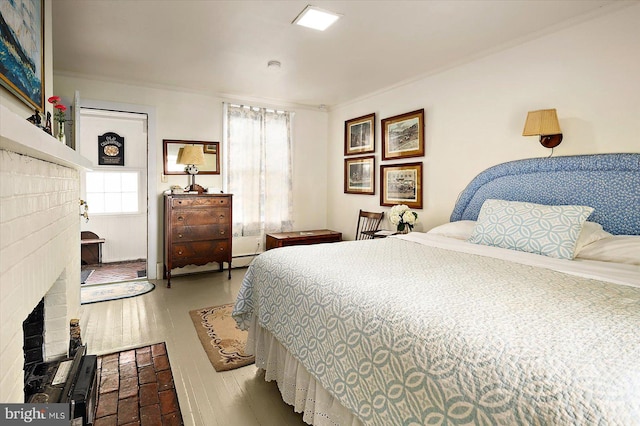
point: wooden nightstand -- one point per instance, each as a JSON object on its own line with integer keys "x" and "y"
{"x": 283, "y": 239}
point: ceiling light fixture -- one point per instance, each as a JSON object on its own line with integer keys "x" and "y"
{"x": 316, "y": 18}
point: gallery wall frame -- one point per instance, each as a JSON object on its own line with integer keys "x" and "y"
{"x": 360, "y": 175}
{"x": 401, "y": 184}
{"x": 403, "y": 135}
{"x": 171, "y": 148}
{"x": 22, "y": 51}
{"x": 359, "y": 135}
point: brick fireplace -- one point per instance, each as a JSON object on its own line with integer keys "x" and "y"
{"x": 39, "y": 243}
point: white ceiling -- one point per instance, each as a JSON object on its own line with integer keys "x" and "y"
{"x": 222, "y": 47}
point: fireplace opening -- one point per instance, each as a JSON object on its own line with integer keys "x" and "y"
{"x": 33, "y": 331}
{"x": 72, "y": 379}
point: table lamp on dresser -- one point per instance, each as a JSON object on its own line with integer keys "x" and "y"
{"x": 191, "y": 156}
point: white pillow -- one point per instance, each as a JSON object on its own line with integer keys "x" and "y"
{"x": 591, "y": 232}
{"x": 535, "y": 228}
{"x": 460, "y": 230}
{"x": 616, "y": 248}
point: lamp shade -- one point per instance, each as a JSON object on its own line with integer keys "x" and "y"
{"x": 542, "y": 122}
{"x": 191, "y": 154}
{"x": 179, "y": 159}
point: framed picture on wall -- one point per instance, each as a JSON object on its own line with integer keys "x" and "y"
{"x": 22, "y": 51}
{"x": 359, "y": 175}
{"x": 403, "y": 135}
{"x": 359, "y": 135}
{"x": 401, "y": 184}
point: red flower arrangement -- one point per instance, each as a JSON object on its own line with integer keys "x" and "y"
{"x": 59, "y": 113}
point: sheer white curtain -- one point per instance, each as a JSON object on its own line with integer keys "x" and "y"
{"x": 258, "y": 169}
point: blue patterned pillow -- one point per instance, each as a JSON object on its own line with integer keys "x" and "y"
{"x": 535, "y": 228}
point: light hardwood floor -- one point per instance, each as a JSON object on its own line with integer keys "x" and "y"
{"x": 238, "y": 397}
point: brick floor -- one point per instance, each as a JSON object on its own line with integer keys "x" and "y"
{"x": 115, "y": 272}
{"x": 136, "y": 388}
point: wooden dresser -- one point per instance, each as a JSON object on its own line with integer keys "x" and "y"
{"x": 197, "y": 230}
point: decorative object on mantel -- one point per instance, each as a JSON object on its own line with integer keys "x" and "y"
{"x": 47, "y": 126}
{"x": 59, "y": 116}
{"x": 36, "y": 120}
{"x": 403, "y": 218}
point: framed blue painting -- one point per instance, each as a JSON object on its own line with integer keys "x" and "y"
{"x": 22, "y": 50}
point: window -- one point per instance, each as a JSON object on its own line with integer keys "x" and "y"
{"x": 112, "y": 192}
{"x": 258, "y": 170}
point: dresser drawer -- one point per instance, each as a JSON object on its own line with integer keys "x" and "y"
{"x": 199, "y": 202}
{"x": 200, "y": 232}
{"x": 198, "y": 252}
{"x": 194, "y": 217}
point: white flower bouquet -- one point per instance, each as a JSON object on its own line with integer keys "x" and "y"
{"x": 403, "y": 217}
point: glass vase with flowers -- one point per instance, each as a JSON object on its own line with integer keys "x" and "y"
{"x": 403, "y": 218}
{"x": 59, "y": 116}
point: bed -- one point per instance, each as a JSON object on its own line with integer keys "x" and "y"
{"x": 451, "y": 327}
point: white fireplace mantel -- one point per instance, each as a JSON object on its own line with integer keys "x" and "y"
{"x": 40, "y": 242}
{"x": 20, "y": 136}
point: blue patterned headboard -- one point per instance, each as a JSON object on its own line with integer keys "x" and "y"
{"x": 610, "y": 183}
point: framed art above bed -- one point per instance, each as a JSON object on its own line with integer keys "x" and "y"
{"x": 360, "y": 175}
{"x": 360, "y": 135}
{"x": 401, "y": 184}
{"x": 403, "y": 136}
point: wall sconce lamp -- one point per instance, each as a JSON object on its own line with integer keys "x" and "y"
{"x": 544, "y": 122}
{"x": 191, "y": 156}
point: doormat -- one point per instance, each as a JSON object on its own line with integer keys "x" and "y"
{"x": 104, "y": 292}
{"x": 84, "y": 275}
{"x": 222, "y": 340}
{"x": 136, "y": 386}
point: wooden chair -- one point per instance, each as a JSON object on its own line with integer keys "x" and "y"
{"x": 368, "y": 223}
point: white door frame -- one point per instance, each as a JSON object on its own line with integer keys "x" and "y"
{"x": 152, "y": 190}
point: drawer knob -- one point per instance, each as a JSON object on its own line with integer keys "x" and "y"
{"x": 221, "y": 216}
{"x": 179, "y": 235}
{"x": 180, "y": 218}
{"x": 221, "y": 232}
{"x": 180, "y": 252}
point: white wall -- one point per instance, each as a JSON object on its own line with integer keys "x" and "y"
{"x": 191, "y": 116}
{"x": 475, "y": 113}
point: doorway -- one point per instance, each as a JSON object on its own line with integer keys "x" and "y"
{"x": 115, "y": 191}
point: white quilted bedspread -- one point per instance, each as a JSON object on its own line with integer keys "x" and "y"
{"x": 403, "y": 333}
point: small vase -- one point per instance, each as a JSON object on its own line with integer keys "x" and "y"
{"x": 60, "y": 135}
{"x": 405, "y": 229}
